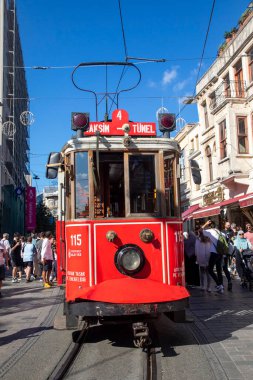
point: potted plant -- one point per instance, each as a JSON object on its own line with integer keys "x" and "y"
{"x": 234, "y": 31}
{"x": 221, "y": 49}
{"x": 244, "y": 16}
{"x": 228, "y": 36}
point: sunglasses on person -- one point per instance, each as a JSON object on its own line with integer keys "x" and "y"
{"x": 241, "y": 234}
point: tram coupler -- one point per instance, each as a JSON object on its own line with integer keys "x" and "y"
{"x": 141, "y": 334}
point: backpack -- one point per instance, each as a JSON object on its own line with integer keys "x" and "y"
{"x": 222, "y": 245}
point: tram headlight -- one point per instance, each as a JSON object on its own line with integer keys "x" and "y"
{"x": 129, "y": 259}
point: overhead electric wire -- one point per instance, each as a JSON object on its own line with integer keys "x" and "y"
{"x": 126, "y": 55}
{"x": 43, "y": 68}
{"x": 203, "y": 52}
{"x": 122, "y": 28}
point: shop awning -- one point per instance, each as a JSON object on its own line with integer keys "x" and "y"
{"x": 246, "y": 200}
{"x": 214, "y": 209}
{"x": 232, "y": 200}
{"x": 204, "y": 212}
{"x": 187, "y": 214}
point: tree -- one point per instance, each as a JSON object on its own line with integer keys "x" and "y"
{"x": 44, "y": 219}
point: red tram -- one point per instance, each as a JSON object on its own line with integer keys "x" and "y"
{"x": 119, "y": 231}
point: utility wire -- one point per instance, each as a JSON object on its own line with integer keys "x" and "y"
{"x": 123, "y": 72}
{"x": 44, "y": 68}
{"x": 123, "y": 31}
{"x": 202, "y": 55}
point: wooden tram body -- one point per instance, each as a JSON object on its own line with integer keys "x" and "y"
{"x": 119, "y": 231}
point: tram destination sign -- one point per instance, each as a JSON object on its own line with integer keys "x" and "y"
{"x": 119, "y": 125}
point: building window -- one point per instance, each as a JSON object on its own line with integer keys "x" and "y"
{"x": 242, "y": 133}
{"x": 251, "y": 65}
{"x": 213, "y": 100}
{"x": 239, "y": 88}
{"x": 210, "y": 163}
{"x": 197, "y": 142}
{"x": 223, "y": 139}
{"x": 182, "y": 166}
{"x": 191, "y": 146}
{"x": 227, "y": 89}
{"x": 205, "y": 115}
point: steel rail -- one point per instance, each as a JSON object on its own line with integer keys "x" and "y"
{"x": 68, "y": 358}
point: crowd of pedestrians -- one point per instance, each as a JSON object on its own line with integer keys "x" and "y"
{"x": 209, "y": 252}
{"x": 34, "y": 256}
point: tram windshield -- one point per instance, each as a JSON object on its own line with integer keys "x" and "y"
{"x": 142, "y": 183}
{"x": 117, "y": 184}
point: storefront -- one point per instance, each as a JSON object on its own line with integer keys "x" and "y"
{"x": 237, "y": 210}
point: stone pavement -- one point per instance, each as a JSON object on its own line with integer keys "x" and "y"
{"x": 27, "y": 312}
{"x": 226, "y": 320}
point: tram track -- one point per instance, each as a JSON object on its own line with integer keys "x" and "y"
{"x": 144, "y": 368}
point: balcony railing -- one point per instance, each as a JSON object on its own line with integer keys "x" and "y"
{"x": 227, "y": 90}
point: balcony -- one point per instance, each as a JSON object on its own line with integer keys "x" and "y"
{"x": 227, "y": 91}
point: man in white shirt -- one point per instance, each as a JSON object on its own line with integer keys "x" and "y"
{"x": 47, "y": 259}
{"x": 7, "y": 245}
{"x": 4, "y": 260}
{"x": 215, "y": 257}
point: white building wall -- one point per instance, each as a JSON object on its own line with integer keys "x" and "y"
{"x": 233, "y": 173}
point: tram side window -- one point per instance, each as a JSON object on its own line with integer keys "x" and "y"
{"x": 142, "y": 183}
{"x": 81, "y": 185}
{"x": 170, "y": 185}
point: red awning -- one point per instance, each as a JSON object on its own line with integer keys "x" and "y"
{"x": 214, "y": 209}
{"x": 204, "y": 212}
{"x": 187, "y": 214}
{"x": 246, "y": 200}
{"x": 232, "y": 200}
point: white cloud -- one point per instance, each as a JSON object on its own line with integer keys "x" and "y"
{"x": 181, "y": 85}
{"x": 168, "y": 76}
{"x": 152, "y": 84}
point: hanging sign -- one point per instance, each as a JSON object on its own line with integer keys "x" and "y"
{"x": 30, "y": 208}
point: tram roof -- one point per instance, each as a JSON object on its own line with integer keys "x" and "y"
{"x": 116, "y": 143}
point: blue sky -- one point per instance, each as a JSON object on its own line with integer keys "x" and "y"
{"x": 60, "y": 34}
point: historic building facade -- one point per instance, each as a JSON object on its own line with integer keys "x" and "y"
{"x": 14, "y": 136}
{"x": 220, "y": 147}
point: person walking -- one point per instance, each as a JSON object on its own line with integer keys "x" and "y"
{"x": 16, "y": 258}
{"x": 228, "y": 233}
{"x": 5, "y": 241}
{"x": 4, "y": 260}
{"x": 249, "y": 233}
{"x": 47, "y": 259}
{"x": 191, "y": 268}
{"x": 38, "y": 248}
{"x": 215, "y": 257}
{"x": 29, "y": 251}
{"x": 241, "y": 244}
{"x": 53, "y": 276}
{"x": 202, "y": 250}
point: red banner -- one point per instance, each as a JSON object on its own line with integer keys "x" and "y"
{"x": 30, "y": 208}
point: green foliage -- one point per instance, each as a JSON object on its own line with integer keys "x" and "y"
{"x": 234, "y": 30}
{"x": 244, "y": 16}
{"x": 44, "y": 219}
{"x": 227, "y": 35}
